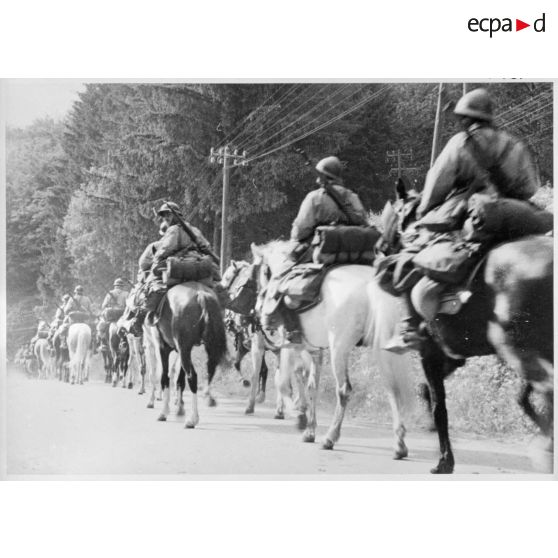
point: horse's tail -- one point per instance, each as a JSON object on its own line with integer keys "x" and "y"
{"x": 213, "y": 333}
{"x": 396, "y": 370}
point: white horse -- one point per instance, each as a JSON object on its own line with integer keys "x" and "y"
{"x": 79, "y": 343}
{"x": 354, "y": 310}
{"x": 44, "y": 357}
{"x": 252, "y": 339}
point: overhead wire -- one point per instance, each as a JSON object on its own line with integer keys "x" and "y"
{"x": 261, "y": 118}
{"x": 300, "y": 117}
{"x": 348, "y": 111}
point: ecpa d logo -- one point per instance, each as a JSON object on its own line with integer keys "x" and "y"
{"x": 493, "y": 25}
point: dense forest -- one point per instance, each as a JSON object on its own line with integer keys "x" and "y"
{"x": 81, "y": 192}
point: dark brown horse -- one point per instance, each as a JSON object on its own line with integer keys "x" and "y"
{"x": 190, "y": 315}
{"x": 510, "y": 313}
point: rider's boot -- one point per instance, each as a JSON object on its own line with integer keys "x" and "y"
{"x": 292, "y": 328}
{"x": 407, "y": 336}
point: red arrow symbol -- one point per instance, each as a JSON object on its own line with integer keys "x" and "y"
{"x": 519, "y": 25}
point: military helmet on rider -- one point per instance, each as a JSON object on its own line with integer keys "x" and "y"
{"x": 119, "y": 283}
{"x": 330, "y": 167}
{"x": 66, "y": 297}
{"x": 78, "y": 290}
{"x": 168, "y": 207}
{"x": 476, "y": 104}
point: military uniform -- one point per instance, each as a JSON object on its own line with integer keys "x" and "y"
{"x": 478, "y": 166}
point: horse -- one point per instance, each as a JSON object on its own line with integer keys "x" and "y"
{"x": 347, "y": 291}
{"x": 249, "y": 337}
{"x": 508, "y": 313}
{"x": 189, "y": 315}
{"x": 43, "y": 356}
{"x": 79, "y": 342}
{"x": 136, "y": 362}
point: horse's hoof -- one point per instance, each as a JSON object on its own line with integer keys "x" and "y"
{"x": 442, "y": 469}
{"x": 161, "y": 418}
{"x": 150, "y": 406}
{"x": 327, "y": 444}
{"x": 113, "y": 384}
{"x": 401, "y": 453}
{"x": 211, "y": 402}
{"x": 279, "y": 415}
{"x": 308, "y": 437}
{"x": 249, "y": 411}
{"x": 301, "y": 422}
{"x": 130, "y": 385}
{"x": 141, "y": 392}
{"x": 189, "y": 424}
{"x": 180, "y": 412}
{"x": 246, "y": 383}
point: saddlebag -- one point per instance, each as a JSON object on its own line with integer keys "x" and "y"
{"x": 243, "y": 292}
{"x": 190, "y": 268}
{"x": 77, "y": 317}
{"x": 448, "y": 262}
{"x": 113, "y": 314}
{"x": 344, "y": 245}
{"x": 301, "y": 286}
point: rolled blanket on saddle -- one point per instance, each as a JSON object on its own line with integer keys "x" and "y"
{"x": 112, "y": 314}
{"x": 344, "y": 245}
{"x": 79, "y": 317}
{"x": 193, "y": 267}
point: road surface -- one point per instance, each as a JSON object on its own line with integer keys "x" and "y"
{"x": 60, "y": 429}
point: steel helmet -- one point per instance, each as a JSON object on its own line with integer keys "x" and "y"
{"x": 118, "y": 282}
{"x": 476, "y": 104}
{"x": 330, "y": 167}
{"x": 166, "y": 208}
{"x": 78, "y": 289}
{"x": 66, "y": 297}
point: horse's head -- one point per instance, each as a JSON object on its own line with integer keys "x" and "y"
{"x": 232, "y": 271}
{"x": 271, "y": 259}
{"x": 397, "y": 216}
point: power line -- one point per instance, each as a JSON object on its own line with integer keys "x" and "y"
{"x": 321, "y": 126}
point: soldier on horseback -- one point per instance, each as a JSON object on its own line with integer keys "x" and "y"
{"x": 329, "y": 204}
{"x": 176, "y": 241}
{"x": 480, "y": 182}
{"x": 112, "y": 308}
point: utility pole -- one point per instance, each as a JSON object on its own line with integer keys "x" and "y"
{"x": 397, "y": 155}
{"x": 224, "y": 156}
{"x": 437, "y": 126}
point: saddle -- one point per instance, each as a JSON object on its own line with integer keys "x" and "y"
{"x": 298, "y": 288}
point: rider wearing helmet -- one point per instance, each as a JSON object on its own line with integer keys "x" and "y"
{"x": 174, "y": 242}
{"x": 329, "y": 204}
{"x": 484, "y": 165}
{"x": 78, "y": 302}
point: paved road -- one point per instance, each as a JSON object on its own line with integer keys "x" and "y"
{"x": 94, "y": 429}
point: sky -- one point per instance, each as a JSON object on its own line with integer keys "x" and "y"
{"x": 29, "y": 99}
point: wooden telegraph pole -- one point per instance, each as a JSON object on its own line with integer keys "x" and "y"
{"x": 224, "y": 156}
{"x": 437, "y": 126}
{"x": 398, "y": 155}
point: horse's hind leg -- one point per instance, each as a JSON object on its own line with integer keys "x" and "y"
{"x": 314, "y": 367}
{"x": 180, "y": 385}
{"x": 194, "y": 418}
{"x": 260, "y": 398}
{"x": 164, "y": 351}
{"x": 435, "y": 365}
{"x": 339, "y": 358}
{"x": 257, "y": 355}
